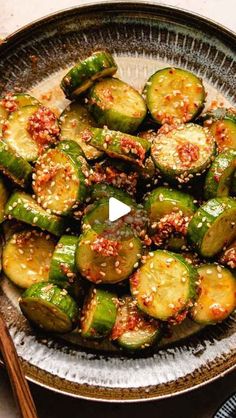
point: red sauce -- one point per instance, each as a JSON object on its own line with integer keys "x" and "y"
{"x": 106, "y": 247}
{"x": 188, "y": 153}
{"x": 130, "y": 145}
{"x": 43, "y": 127}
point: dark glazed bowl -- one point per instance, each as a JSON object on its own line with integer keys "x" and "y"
{"x": 143, "y": 36}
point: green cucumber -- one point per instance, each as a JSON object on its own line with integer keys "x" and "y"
{"x": 49, "y": 307}
{"x": 174, "y": 95}
{"x": 14, "y": 166}
{"x": 12, "y": 102}
{"x": 73, "y": 121}
{"x": 133, "y": 330}
{"x": 98, "y": 313}
{"x": 220, "y": 176}
{"x": 27, "y": 256}
{"x": 25, "y": 99}
{"x": 3, "y": 198}
{"x": 148, "y": 170}
{"x": 103, "y": 190}
{"x": 222, "y": 125}
{"x": 216, "y": 298}
{"x": 82, "y": 76}
{"x": 23, "y": 207}
{"x": 117, "y": 144}
{"x": 164, "y": 286}
{"x": 117, "y": 105}
{"x": 213, "y": 226}
{"x": 183, "y": 152}
{"x": 108, "y": 257}
{"x": 62, "y": 268}
{"x": 59, "y": 180}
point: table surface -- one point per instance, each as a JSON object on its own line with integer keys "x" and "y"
{"x": 200, "y": 403}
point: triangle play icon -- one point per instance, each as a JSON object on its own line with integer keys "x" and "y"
{"x": 117, "y": 209}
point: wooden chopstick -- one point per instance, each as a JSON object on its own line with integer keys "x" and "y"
{"x": 18, "y": 381}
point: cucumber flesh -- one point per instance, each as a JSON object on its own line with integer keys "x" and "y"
{"x": 73, "y": 121}
{"x": 174, "y": 95}
{"x": 164, "y": 286}
{"x": 183, "y": 152}
{"x": 59, "y": 179}
{"x": 222, "y": 125}
{"x": 23, "y": 207}
{"x": 98, "y": 314}
{"x": 213, "y": 226}
{"x": 62, "y": 268}
{"x": 216, "y": 299}
{"x": 220, "y": 176}
{"x": 103, "y": 190}
{"x": 117, "y": 105}
{"x": 82, "y": 76}
{"x": 14, "y": 166}
{"x": 27, "y": 256}
{"x": 132, "y": 330}
{"x": 49, "y": 308}
{"x": 108, "y": 257}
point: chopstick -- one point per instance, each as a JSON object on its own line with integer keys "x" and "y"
{"x": 18, "y": 381}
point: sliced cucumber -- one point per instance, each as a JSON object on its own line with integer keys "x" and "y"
{"x": 222, "y": 125}
{"x": 132, "y": 330}
{"x": 3, "y": 198}
{"x": 165, "y": 286}
{"x": 14, "y": 166}
{"x": 217, "y": 298}
{"x": 117, "y": 144}
{"x": 174, "y": 95}
{"x": 148, "y": 170}
{"x": 23, "y": 207}
{"x": 49, "y": 307}
{"x": 59, "y": 179}
{"x": 228, "y": 257}
{"x": 103, "y": 190}
{"x": 62, "y": 269}
{"x": 25, "y": 99}
{"x": 213, "y": 226}
{"x": 73, "y": 121}
{"x": 27, "y": 256}
{"x": 183, "y": 152}
{"x": 98, "y": 314}
{"x": 82, "y": 76}
{"x": 108, "y": 257}
{"x": 117, "y": 105}
{"x": 220, "y": 176}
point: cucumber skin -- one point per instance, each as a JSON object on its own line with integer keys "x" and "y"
{"x": 64, "y": 254}
{"x": 210, "y": 210}
{"x": 86, "y": 71}
{"x": 214, "y": 176}
{"x": 111, "y": 118}
{"x": 193, "y": 276}
{"x": 98, "y": 137}
{"x": 104, "y": 315}
{"x": 14, "y": 166}
{"x": 54, "y": 297}
{"x": 46, "y": 221}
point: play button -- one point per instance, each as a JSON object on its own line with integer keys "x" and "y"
{"x": 117, "y": 209}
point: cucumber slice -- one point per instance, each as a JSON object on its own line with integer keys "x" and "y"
{"x": 82, "y": 76}
{"x": 73, "y": 121}
{"x": 98, "y": 314}
{"x": 27, "y": 256}
{"x": 3, "y": 199}
{"x": 174, "y": 95}
{"x": 213, "y": 226}
{"x": 25, "y": 99}
{"x": 169, "y": 212}
{"x": 62, "y": 269}
{"x": 30, "y": 130}
{"x": 222, "y": 125}
{"x": 148, "y": 170}
{"x": 229, "y": 256}
{"x": 108, "y": 257}
{"x": 17, "y": 136}
{"x": 132, "y": 330}
{"x": 183, "y": 152}
{"x": 117, "y": 105}
{"x": 103, "y": 190}
{"x": 117, "y": 144}
{"x": 165, "y": 286}
{"x": 216, "y": 299}
{"x": 220, "y": 176}
{"x": 14, "y": 166}
{"x": 23, "y": 207}
{"x": 59, "y": 179}
{"x": 49, "y": 307}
